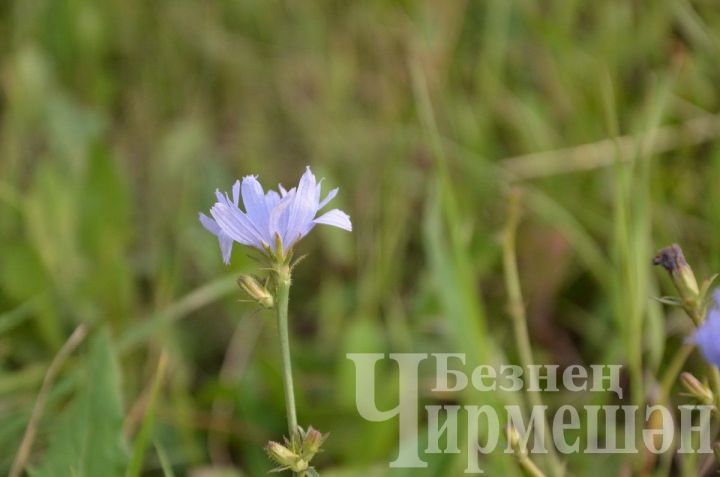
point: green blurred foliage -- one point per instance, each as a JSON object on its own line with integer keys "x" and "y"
{"x": 118, "y": 120}
{"x": 87, "y": 438}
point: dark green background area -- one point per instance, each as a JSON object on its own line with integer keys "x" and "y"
{"x": 120, "y": 118}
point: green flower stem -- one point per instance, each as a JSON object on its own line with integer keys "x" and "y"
{"x": 282, "y": 298}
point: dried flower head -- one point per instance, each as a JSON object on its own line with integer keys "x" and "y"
{"x": 673, "y": 260}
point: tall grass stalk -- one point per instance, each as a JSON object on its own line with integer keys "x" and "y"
{"x": 519, "y": 320}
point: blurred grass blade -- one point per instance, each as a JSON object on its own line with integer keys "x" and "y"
{"x": 451, "y": 267}
{"x": 88, "y": 438}
{"x": 164, "y": 461}
{"x": 143, "y": 438}
{"x": 194, "y": 300}
{"x": 75, "y": 339}
{"x": 17, "y": 316}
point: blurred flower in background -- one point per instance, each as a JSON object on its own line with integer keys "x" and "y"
{"x": 707, "y": 336}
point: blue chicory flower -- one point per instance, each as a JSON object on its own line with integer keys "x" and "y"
{"x": 707, "y": 336}
{"x": 289, "y": 214}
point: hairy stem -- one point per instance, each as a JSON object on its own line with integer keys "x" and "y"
{"x": 283, "y": 295}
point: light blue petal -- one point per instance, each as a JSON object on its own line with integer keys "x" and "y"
{"x": 331, "y": 195}
{"x": 336, "y": 218}
{"x": 715, "y": 308}
{"x": 236, "y": 192}
{"x": 255, "y": 206}
{"x": 272, "y": 199}
{"x": 708, "y": 341}
{"x": 279, "y": 217}
{"x": 253, "y": 230}
{"x": 209, "y": 224}
{"x": 226, "y": 242}
{"x": 302, "y": 209}
{"x": 234, "y": 223}
{"x": 318, "y": 189}
{"x": 707, "y": 336}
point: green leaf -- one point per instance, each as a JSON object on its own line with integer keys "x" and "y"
{"x": 87, "y": 439}
{"x": 707, "y": 283}
{"x": 143, "y": 438}
{"x": 669, "y": 300}
{"x": 164, "y": 461}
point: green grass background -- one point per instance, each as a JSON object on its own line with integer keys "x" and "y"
{"x": 118, "y": 119}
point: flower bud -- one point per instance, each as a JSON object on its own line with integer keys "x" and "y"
{"x": 256, "y": 291}
{"x": 300, "y": 466}
{"x": 281, "y": 454}
{"x": 672, "y": 259}
{"x": 286, "y": 458}
{"x": 698, "y": 390}
{"x": 312, "y": 442}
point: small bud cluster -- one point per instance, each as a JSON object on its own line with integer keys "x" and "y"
{"x": 295, "y": 455}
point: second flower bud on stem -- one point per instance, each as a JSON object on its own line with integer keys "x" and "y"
{"x": 256, "y": 291}
{"x": 697, "y": 389}
{"x": 297, "y": 452}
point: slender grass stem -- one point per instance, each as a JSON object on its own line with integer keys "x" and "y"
{"x": 673, "y": 371}
{"x": 23, "y": 454}
{"x": 530, "y": 466}
{"x": 519, "y": 319}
